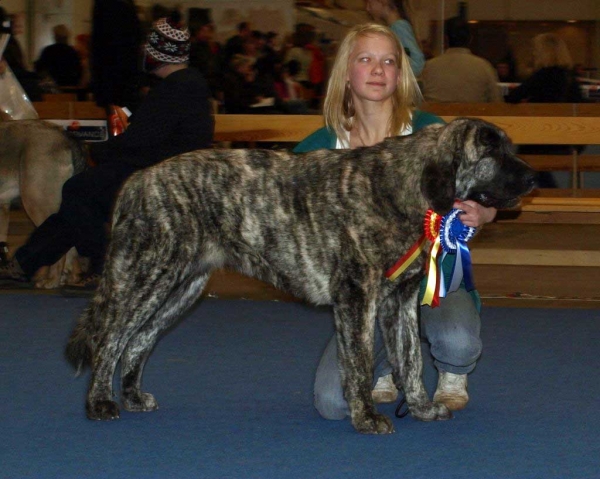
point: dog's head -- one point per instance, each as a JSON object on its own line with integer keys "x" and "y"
{"x": 480, "y": 159}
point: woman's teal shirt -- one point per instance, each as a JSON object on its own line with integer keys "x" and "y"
{"x": 326, "y": 138}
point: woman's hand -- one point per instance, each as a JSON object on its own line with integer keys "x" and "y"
{"x": 474, "y": 214}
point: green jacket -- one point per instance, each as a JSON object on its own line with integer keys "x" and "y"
{"x": 326, "y": 138}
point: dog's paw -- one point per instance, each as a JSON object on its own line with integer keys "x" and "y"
{"x": 430, "y": 411}
{"x": 373, "y": 424}
{"x": 102, "y": 410}
{"x": 143, "y": 402}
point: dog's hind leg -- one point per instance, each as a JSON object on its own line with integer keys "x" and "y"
{"x": 133, "y": 304}
{"x": 398, "y": 319}
{"x": 141, "y": 344}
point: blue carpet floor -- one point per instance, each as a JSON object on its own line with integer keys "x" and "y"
{"x": 234, "y": 385}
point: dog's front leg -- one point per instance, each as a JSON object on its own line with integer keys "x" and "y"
{"x": 355, "y": 322}
{"x": 398, "y": 316}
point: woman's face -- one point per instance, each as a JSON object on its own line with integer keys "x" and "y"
{"x": 373, "y": 68}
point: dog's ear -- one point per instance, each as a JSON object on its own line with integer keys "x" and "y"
{"x": 438, "y": 183}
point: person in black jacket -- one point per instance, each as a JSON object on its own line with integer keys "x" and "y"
{"x": 60, "y": 60}
{"x": 174, "y": 118}
{"x": 552, "y": 81}
{"x": 115, "y": 53}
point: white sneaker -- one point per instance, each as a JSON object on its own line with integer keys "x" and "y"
{"x": 385, "y": 390}
{"x": 452, "y": 390}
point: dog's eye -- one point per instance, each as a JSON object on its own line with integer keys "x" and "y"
{"x": 486, "y": 168}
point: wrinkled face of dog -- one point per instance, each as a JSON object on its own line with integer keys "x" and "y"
{"x": 479, "y": 155}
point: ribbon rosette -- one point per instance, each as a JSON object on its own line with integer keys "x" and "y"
{"x": 448, "y": 235}
{"x": 454, "y": 237}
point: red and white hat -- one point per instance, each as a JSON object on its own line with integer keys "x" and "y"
{"x": 168, "y": 42}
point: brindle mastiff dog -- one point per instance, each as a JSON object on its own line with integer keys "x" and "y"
{"x": 324, "y": 226}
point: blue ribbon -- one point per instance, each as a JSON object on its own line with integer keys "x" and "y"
{"x": 454, "y": 237}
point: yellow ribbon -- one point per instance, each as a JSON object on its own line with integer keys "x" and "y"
{"x": 432, "y": 287}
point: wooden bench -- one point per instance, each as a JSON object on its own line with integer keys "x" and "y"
{"x": 59, "y": 97}
{"x": 69, "y": 110}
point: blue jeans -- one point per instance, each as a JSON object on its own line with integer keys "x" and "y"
{"x": 452, "y": 330}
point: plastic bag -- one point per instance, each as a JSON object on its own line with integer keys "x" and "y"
{"x": 14, "y": 102}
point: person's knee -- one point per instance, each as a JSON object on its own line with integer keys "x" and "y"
{"x": 459, "y": 348}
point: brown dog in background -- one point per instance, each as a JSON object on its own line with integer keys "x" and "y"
{"x": 36, "y": 158}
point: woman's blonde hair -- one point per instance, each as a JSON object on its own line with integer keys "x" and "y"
{"x": 338, "y": 108}
{"x": 549, "y": 50}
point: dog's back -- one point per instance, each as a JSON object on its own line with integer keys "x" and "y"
{"x": 256, "y": 211}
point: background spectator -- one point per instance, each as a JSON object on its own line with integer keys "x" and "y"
{"x": 457, "y": 75}
{"x": 240, "y": 89}
{"x": 268, "y": 58}
{"x": 289, "y": 91}
{"x": 552, "y": 81}
{"x": 206, "y": 56}
{"x": 235, "y": 44}
{"x": 396, "y": 14}
{"x": 303, "y": 36}
{"x": 60, "y": 60}
{"x": 115, "y": 53}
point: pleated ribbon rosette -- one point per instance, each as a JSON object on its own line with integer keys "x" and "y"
{"x": 447, "y": 235}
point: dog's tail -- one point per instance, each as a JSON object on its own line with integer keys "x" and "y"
{"x": 80, "y": 348}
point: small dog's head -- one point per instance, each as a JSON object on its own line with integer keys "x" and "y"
{"x": 479, "y": 157}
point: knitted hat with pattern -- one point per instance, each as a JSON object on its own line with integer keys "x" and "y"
{"x": 167, "y": 42}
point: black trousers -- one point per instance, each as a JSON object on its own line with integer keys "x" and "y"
{"x": 87, "y": 202}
